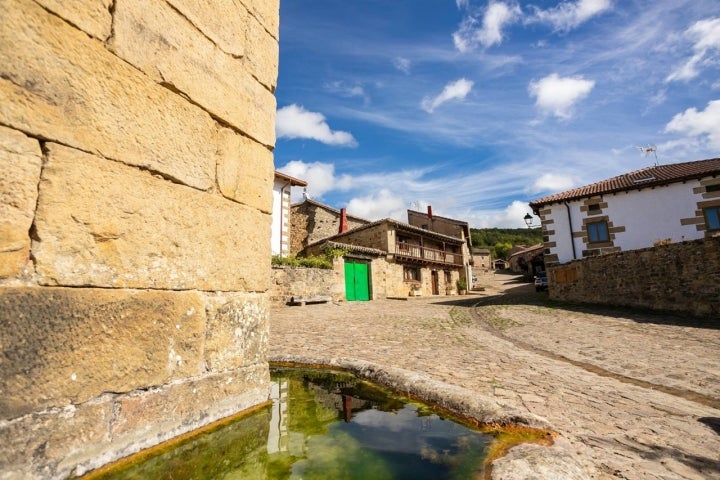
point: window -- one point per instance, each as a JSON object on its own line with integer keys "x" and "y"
{"x": 713, "y": 188}
{"x": 598, "y": 232}
{"x": 594, "y": 208}
{"x": 411, "y": 274}
{"x": 448, "y": 277}
{"x": 712, "y": 218}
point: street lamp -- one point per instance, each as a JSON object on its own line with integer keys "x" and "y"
{"x": 529, "y": 221}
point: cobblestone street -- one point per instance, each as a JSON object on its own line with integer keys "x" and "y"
{"x": 632, "y": 395}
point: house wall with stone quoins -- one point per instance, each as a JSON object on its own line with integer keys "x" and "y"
{"x": 635, "y": 219}
{"x": 682, "y": 277}
{"x": 312, "y": 221}
{"x": 136, "y": 145}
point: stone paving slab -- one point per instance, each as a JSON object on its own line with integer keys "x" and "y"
{"x": 493, "y": 347}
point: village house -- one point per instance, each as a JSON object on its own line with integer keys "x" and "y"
{"x": 388, "y": 258}
{"x": 527, "y": 260}
{"x": 450, "y": 227}
{"x": 654, "y": 205}
{"x": 312, "y": 221}
{"x": 280, "y": 237}
{"x": 481, "y": 261}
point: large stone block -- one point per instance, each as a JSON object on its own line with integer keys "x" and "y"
{"x": 102, "y": 223}
{"x": 143, "y": 419}
{"x": 43, "y": 445}
{"x": 91, "y": 16}
{"x": 65, "y": 345}
{"x": 162, "y": 43}
{"x": 20, "y": 164}
{"x": 57, "y": 83}
{"x": 223, "y": 23}
{"x": 267, "y": 12}
{"x": 261, "y": 54}
{"x": 237, "y": 334}
{"x": 245, "y": 170}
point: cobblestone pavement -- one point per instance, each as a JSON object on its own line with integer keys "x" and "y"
{"x": 632, "y": 395}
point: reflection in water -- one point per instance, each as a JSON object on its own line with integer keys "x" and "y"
{"x": 323, "y": 425}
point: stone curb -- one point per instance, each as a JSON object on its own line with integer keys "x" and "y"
{"x": 522, "y": 462}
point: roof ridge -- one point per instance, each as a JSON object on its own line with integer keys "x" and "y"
{"x": 654, "y": 175}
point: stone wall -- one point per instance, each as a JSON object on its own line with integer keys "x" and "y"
{"x": 311, "y": 222}
{"x": 682, "y": 277}
{"x": 136, "y": 145}
{"x": 287, "y": 282}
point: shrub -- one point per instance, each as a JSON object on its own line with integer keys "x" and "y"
{"x": 302, "y": 262}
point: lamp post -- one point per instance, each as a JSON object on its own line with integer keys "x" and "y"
{"x": 529, "y": 221}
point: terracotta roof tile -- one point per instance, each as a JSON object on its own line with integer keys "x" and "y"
{"x": 643, "y": 178}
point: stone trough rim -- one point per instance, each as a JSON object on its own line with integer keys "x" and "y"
{"x": 557, "y": 459}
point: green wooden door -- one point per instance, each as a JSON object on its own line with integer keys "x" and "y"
{"x": 356, "y": 281}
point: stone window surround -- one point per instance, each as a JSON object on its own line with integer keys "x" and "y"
{"x": 707, "y": 214}
{"x": 596, "y": 210}
{"x": 709, "y": 191}
{"x": 411, "y": 274}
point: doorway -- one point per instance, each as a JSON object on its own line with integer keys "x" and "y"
{"x": 435, "y": 282}
{"x": 357, "y": 280}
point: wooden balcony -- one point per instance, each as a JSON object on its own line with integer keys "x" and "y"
{"x": 418, "y": 253}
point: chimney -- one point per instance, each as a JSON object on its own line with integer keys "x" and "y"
{"x": 343, "y": 221}
{"x": 430, "y": 212}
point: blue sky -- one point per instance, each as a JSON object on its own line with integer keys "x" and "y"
{"x": 476, "y": 108}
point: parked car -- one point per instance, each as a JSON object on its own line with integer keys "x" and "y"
{"x": 541, "y": 281}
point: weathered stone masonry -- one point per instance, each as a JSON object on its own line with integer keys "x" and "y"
{"x": 681, "y": 277}
{"x": 135, "y": 197}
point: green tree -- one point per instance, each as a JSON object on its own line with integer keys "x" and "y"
{"x": 502, "y": 249}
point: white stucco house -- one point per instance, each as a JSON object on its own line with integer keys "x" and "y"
{"x": 662, "y": 203}
{"x": 280, "y": 238}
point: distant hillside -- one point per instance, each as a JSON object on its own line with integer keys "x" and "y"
{"x": 501, "y": 240}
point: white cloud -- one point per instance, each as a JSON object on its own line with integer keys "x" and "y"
{"x": 705, "y": 36}
{"x": 471, "y": 33}
{"x": 319, "y": 176}
{"x": 551, "y": 182}
{"x": 345, "y": 90}
{"x": 453, "y": 90}
{"x": 402, "y": 64}
{"x": 382, "y": 204}
{"x": 569, "y": 15}
{"x": 461, "y": 4}
{"x": 509, "y": 217}
{"x": 555, "y": 95}
{"x": 704, "y": 124}
{"x": 293, "y": 121}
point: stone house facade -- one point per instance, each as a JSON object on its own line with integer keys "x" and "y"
{"x": 400, "y": 259}
{"x": 450, "y": 227}
{"x": 312, "y": 221}
{"x": 481, "y": 261}
{"x": 280, "y": 232}
{"x": 654, "y": 205}
{"x": 136, "y": 146}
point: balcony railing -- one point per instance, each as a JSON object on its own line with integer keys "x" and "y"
{"x": 420, "y": 253}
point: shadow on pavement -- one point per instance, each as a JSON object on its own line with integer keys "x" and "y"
{"x": 518, "y": 292}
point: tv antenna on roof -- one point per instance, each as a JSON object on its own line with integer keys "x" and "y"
{"x": 647, "y": 150}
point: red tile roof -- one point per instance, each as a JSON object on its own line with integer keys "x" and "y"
{"x": 643, "y": 178}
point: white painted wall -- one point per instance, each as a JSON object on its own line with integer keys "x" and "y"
{"x": 279, "y": 216}
{"x": 648, "y": 215}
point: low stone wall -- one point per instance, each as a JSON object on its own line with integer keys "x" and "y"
{"x": 287, "y": 282}
{"x": 682, "y": 277}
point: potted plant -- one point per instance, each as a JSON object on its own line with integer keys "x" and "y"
{"x": 461, "y": 285}
{"x": 415, "y": 290}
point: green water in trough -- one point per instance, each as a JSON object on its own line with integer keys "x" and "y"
{"x": 321, "y": 425}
